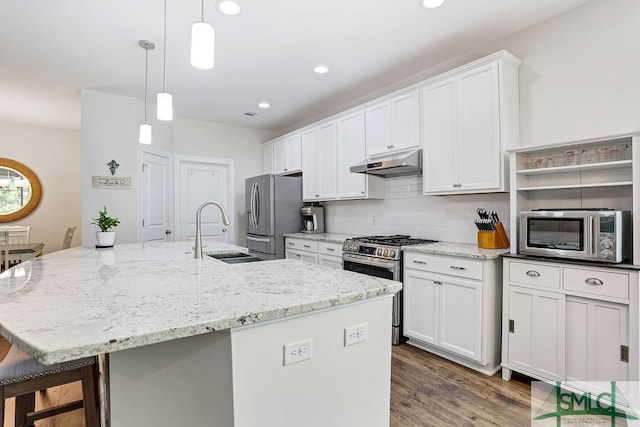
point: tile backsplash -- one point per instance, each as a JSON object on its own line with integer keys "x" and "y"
{"x": 406, "y": 211}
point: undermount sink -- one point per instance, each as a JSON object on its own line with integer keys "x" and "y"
{"x": 235, "y": 257}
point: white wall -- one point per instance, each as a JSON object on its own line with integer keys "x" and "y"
{"x": 579, "y": 79}
{"x": 217, "y": 140}
{"x": 54, "y": 156}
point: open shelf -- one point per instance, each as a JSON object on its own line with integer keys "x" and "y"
{"x": 620, "y": 164}
{"x": 561, "y": 187}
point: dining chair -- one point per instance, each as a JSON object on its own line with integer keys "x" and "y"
{"x": 22, "y": 377}
{"x": 68, "y": 236}
{"x": 4, "y": 251}
{"x": 18, "y": 234}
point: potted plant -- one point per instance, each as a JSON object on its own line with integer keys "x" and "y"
{"x": 104, "y": 222}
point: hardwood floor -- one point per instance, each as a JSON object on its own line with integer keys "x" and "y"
{"x": 426, "y": 390}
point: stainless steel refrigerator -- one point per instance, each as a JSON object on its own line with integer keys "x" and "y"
{"x": 273, "y": 205}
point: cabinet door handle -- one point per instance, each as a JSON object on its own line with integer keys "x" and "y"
{"x": 291, "y": 244}
{"x": 298, "y": 255}
{"x": 390, "y": 146}
{"x": 455, "y": 267}
{"x": 437, "y": 282}
{"x": 594, "y": 281}
{"x": 419, "y": 262}
{"x": 533, "y": 273}
{"x": 330, "y": 249}
{"x": 306, "y": 246}
{"x": 316, "y": 195}
{"x": 285, "y": 169}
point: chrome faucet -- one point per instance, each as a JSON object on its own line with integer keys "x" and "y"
{"x": 197, "y": 250}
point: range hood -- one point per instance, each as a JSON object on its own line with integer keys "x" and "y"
{"x": 405, "y": 163}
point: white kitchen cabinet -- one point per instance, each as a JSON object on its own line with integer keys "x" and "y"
{"x": 269, "y": 158}
{"x": 469, "y": 117}
{"x": 301, "y": 249}
{"x": 564, "y": 326}
{"x": 330, "y": 254}
{"x": 314, "y": 251}
{"x": 287, "y": 155}
{"x": 536, "y": 332}
{"x": 451, "y": 308}
{"x": 351, "y": 149}
{"x": 597, "y": 340}
{"x": 319, "y": 153}
{"x": 392, "y": 124}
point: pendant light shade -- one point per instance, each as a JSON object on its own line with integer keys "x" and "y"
{"x": 164, "y": 103}
{"x": 165, "y": 106}
{"x": 145, "y": 134}
{"x": 202, "y": 45}
{"x": 145, "y": 128}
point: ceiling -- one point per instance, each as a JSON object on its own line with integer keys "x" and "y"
{"x": 49, "y": 50}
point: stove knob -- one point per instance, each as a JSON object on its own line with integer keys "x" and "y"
{"x": 392, "y": 253}
{"x": 386, "y": 252}
{"x": 378, "y": 251}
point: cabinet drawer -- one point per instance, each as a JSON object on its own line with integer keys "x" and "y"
{"x": 454, "y": 266}
{"x": 597, "y": 282}
{"x": 302, "y": 245}
{"x": 543, "y": 276}
{"x": 334, "y": 249}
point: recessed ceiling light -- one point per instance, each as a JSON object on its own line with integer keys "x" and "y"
{"x": 321, "y": 69}
{"x": 264, "y": 105}
{"x": 229, "y": 7}
{"x": 431, "y": 4}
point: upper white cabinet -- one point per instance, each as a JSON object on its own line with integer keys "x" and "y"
{"x": 287, "y": 155}
{"x": 469, "y": 117}
{"x": 319, "y": 179}
{"x": 393, "y": 124}
{"x": 351, "y": 150}
{"x": 268, "y": 158}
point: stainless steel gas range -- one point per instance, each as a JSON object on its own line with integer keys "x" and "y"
{"x": 381, "y": 256}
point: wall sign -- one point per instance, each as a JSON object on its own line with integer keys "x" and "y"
{"x": 115, "y": 182}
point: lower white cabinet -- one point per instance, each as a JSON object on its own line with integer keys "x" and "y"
{"x": 567, "y": 322}
{"x": 452, "y": 308}
{"x": 313, "y": 251}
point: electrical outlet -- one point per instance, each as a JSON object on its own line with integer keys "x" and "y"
{"x": 355, "y": 334}
{"x": 297, "y": 351}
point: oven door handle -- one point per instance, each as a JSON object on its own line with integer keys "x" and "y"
{"x": 391, "y": 265}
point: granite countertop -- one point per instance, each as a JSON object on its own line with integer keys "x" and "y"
{"x": 323, "y": 237}
{"x": 85, "y": 301}
{"x": 464, "y": 250}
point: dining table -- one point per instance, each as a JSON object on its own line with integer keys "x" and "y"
{"x": 19, "y": 252}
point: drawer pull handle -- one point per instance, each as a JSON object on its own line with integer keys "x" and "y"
{"x": 306, "y": 246}
{"x": 419, "y": 262}
{"x": 533, "y": 273}
{"x": 291, "y": 244}
{"x": 331, "y": 249}
{"x": 455, "y": 267}
{"x": 594, "y": 281}
{"x": 299, "y": 256}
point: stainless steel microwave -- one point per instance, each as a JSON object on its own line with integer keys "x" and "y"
{"x": 602, "y": 235}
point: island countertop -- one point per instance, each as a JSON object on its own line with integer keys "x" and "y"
{"x": 84, "y": 301}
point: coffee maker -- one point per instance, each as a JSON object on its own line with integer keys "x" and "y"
{"x": 312, "y": 219}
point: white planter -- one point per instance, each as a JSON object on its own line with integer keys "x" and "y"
{"x": 105, "y": 238}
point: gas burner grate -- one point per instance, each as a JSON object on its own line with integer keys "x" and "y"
{"x": 395, "y": 240}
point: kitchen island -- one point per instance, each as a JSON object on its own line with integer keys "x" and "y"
{"x": 200, "y": 342}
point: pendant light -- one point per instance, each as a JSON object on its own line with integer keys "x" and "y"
{"x": 145, "y": 128}
{"x": 202, "y": 43}
{"x": 164, "y": 99}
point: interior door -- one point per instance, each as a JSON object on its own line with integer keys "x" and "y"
{"x": 199, "y": 182}
{"x": 157, "y": 190}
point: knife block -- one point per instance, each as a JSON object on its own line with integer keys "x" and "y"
{"x": 493, "y": 239}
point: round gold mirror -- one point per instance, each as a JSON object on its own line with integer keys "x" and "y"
{"x": 20, "y": 190}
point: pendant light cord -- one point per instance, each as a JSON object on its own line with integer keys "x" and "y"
{"x": 146, "y": 61}
{"x": 164, "y": 51}
{"x": 202, "y": 11}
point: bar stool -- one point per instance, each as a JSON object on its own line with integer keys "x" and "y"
{"x": 21, "y": 377}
